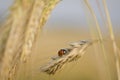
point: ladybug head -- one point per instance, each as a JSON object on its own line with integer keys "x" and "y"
{"x": 62, "y": 52}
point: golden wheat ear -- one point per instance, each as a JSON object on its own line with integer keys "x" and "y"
{"x": 25, "y": 21}
{"x": 77, "y": 52}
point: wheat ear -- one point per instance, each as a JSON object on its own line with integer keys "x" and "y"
{"x": 55, "y": 65}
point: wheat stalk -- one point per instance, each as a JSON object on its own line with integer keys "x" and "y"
{"x": 99, "y": 32}
{"x": 115, "y": 48}
{"x": 16, "y": 34}
{"x": 77, "y": 52}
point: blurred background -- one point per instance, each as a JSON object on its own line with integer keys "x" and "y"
{"x": 68, "y": 23}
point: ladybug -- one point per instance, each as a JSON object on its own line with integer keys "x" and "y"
{"x": 63, "y": 52}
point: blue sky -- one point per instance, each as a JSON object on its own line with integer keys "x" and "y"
{"x": 71, "y": 12}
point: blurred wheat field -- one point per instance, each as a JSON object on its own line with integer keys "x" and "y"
{"x": 92, "y": 66}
